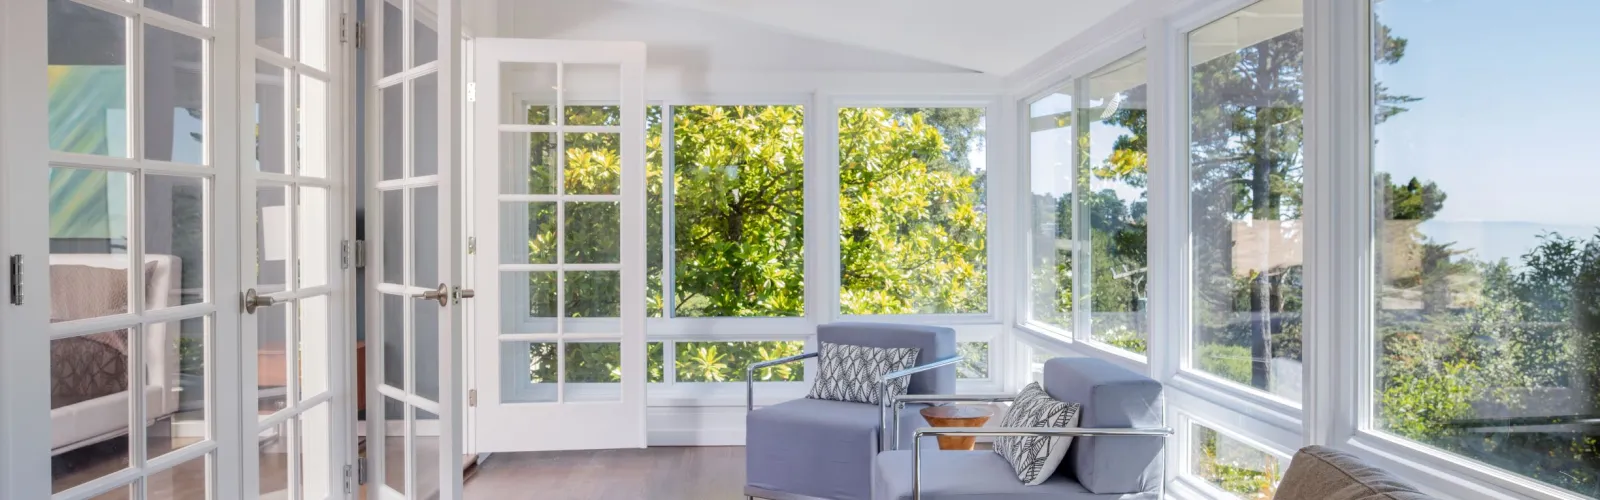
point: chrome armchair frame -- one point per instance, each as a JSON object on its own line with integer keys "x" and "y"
{"x": 883, "y": 386}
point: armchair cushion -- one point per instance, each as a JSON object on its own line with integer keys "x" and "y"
{"x": 1112, "y": 397}
{"x": 854, "y": 373}
{"x": 818, "y": 448}
{"x": 934, "y": 343}
{"x": 1035, "y": 458}
{"x": 971, "y": 475}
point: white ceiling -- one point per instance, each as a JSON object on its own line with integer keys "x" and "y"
{"x": 989, "y": 36}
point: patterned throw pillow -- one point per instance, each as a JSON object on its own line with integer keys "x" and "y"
{"x": 851, "y": 372}
{"x": 1035, "y": 458}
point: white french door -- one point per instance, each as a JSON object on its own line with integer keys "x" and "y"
{"x": 413, "y": 343}
{"x": 559, "y": 196}
{"x": 293, "y": 191}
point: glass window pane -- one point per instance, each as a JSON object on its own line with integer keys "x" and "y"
{"x": 316, "y": 250}
{"x": 1233, "y": 466}
{"x": 393, "y": 33}
{"x": 273, "y": 466}
{"x": 394, "y": 340}
{"x": 1050, "y": 144}
{"x": 738, "y": 211}
{"x": 594, "y": 233}
{"x": 316, "y": 475}
{"x": 593, "y": 371}
{"x": 425, "y": 41}
{"x": 1245, "y": 191}
{"x": 393, "y": 242}
{"x": 425, "y": 237}
{"x": 90, "y": 371}
{"x": 654, "y": 219}
{"x": 1113, "y": 177}
{"x": 424, "y": 455}
{"x": 527, "y": 372}
{"x": 394, "y": 449}
{"x": 1486, "y": 265}
{"x": 89, "y": 219}
{"x": 313, "y": 371}
{"x": 425, "y": 349}
{"x": 88, "y": 80}
{"x": 593, "y": 294}
{"x": 185, "y": 481}
{"x": 174, "y": 97}
{"x": 272, "y": 117}
{"x": 393, "y": 140}
{"x": 528, "y": 302}
{"x": 175, "y": 240}
{"x": 272, "y": 357}
{"x": 974, "y": 360}
{"x": 425, "y": 127}
{"x": 726, "y": 361}
{"x": 530, "y": 169}
{"x": 188, "y": 10}
{"x": 271, "y": 28}
{"x": 912, "y": 221}
{"x": 594, "y": 163}
{"x": 273, "y": 235}
{"x": 594, "y": 115}
{"x": 314, "y": 29}
{"x": 312, "y": 133}
{"x": 528, "y": 233}
{"x": 175, "y": 365}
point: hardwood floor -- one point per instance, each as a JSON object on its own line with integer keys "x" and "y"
{"x": 658, "y": 473}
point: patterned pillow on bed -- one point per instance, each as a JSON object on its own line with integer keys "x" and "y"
{"x": 1035, "y": 458}
{"x": 852, "y": 372}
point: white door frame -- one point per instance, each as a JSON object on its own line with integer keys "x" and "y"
{"x": 562, "y": 425}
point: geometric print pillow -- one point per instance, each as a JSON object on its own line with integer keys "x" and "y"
{"x": 1035, "y": 458}
{"x": 852, "y": 373}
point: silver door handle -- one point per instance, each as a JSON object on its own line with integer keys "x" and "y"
{"x": 253, "y": 300}
{"x": 464, "y": 293}
{"x": 440, "y": 295}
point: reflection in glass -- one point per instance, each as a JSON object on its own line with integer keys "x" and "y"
{"x": 531, "y": 170}
{"x": 1050, "y": 143}
{"x": 528, "y": 372}
{"x": 312, "y": 134}
{"x": 593, "y": 294}
{"x": 1113, "y": 178}
{"x": 271, "y": 118}
{"x": 1246, "y": 179}
{"x": 89, "y": 223}
{"x": 313, "y": 29}
{"x": 175, "y": 240}
{"x": 88, "y": 80}
{"x": 528, "y": 302}
{"x": 86, "y": 372}
{"x": 185, "y": 481}
{"x": 174, "y": 97}
{"x": 913, "y": 219}
{"x": 528, "y": 233}
{"x": 1486, "y": 252}
{"x": 425, "y": 125}
{"x": 273, "y": 356}
{"x": 273, "y": 236}
{"x": 315, "y": 255}
{"x": 176, "y": 371}
{"x": 313, "y": 370}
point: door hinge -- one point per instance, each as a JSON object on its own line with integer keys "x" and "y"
{"x": 16, "y": 279}
{"x": 472, "y": 245}
{"x": 472, "y": 91}
{"x": 361, "y": 470}
{"x": 344, "y": 254}
{"x": 344, "y": 29}
{"x": 361, "y": 254}
{"x": 349, "y": 479}
{"x": 472, "y": 398}
{"x": 361, "y": 34}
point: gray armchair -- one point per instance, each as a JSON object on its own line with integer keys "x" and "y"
{"x": 1116, "y": 453}
{"x": 815, "y": 449}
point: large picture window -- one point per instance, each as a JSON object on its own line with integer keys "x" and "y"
{"x": 1246, "y": 180}
{"x": 913, "y": 219}
{"x": 1486, "y": 253}
{"x": 1111, "y": 227}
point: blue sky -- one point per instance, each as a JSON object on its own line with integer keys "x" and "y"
{"x": 1506, "y": 125}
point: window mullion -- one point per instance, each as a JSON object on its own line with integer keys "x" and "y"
{"x": 669, "y": 196}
